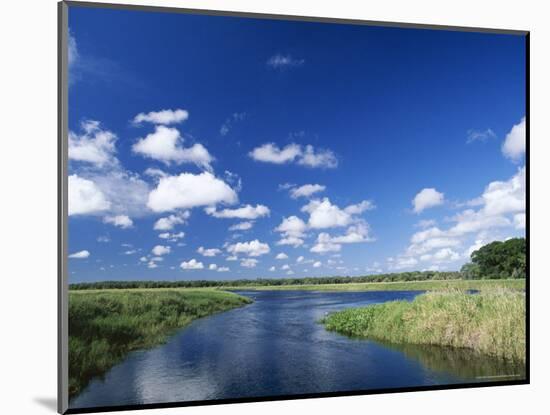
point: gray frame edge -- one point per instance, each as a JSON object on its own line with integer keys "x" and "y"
{"x": 62, "y": 210}
{"x": 316, "y": 19}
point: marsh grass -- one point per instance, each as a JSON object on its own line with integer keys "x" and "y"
{"x": 491, "y": 322}
{"x": 104, "y": 325}
{"x": 515, "y": 284}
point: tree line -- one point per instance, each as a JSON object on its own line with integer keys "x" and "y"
{"x": 495, "y": 260}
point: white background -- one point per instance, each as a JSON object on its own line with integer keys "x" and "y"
{"x": 28, "y": 163}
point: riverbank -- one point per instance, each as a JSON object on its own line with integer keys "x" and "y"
{"x": 104, "y": 325}
{"x": 460, "y": 284}
{"x": 491, "y": 322}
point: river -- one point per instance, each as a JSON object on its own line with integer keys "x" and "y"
{"x": 275, "y": 347}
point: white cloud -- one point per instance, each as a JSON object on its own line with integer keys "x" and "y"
{"x": 165, "y": 145}
{"x": 168, "y": 223}
{"x": 427, "y": 198}
{"x": 208, "y": 252}
{"x": 285, "y": 267}
{"x": 324, "y": 244}
{"x": 159, "y": 250}
{"x": 230, "y": 121}
{"x": 442, "y": 255}
{"x": 504, "y": 197}
{"x": 80, "y": 255}
{"x": 122, "y": 221}
{"x": 130, "y": 252}
{"x": 280, "y": 62}
{"x": 300, "y": 259}
{"x": 242, "y": 226}
{"x": 85, "y": 197}
{"x": 281, "y": 255}
{"x": 354, "y": 234}
{"x": 232, "y": 258}
{"x": 126, "y": 192}
{"x": 402, "y": 263}
{"x": 272, "y": 269}
{"x": 480, "y": 135}
{"x": 519, "y": 220}
{"x": 323, "y": 214}
{"x": 245, "y": 212}
{"x": 72, "y": 50}
{"x": 249, "y": 262}
{"x": 152, "y": 265}
{"x": 223, "y": 269}
{"x": 270, "y": 153}
{"x": 190, "y": 190}
{"x": 95, "y": 145}
{"x": 359, "y": 208}
{"x": 253, "y": 248}
{"x": 515, "y": 142}
{"x": 306, "y": 190}
{"x": 425, "y": 223}
{"x": 290, "y": 272}
{"x": 293, "y": 230}
{"x": 165, "y": 117}
{"x": 172, "y": 237}
{"x": 318, "y": 158}
{"x": 317, "y": 264}
{"x": 192, "y": 264}
{"x": 306, "y": 156}
{"x": 212, "y": 267}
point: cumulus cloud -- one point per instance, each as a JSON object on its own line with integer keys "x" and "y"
{"x": 242, "y": 226}
{"x": 300, "y": 259}
{"x": 427, "y": 198}
{"x": 253, "y": 248}
{"x": 121, "y": 221}
{"x": 281, "y": 255}
{"x": 515, "y": 142}
{"x": 272, "y": 269}
{"x": 285, "y": 267}
{"x": 164, "y": 145}
{"x": 192, "y": 264}
{"x": 245, "y": 212}
{"x": 293, "y": 231}
{"x": 80, "y": 255}
{"x": 160, "y": 250}
{"x": 354, "y": 234}
{"x": 317, "y": 158}
{"x": 323, "y": 214}
{"x": 502, "y": 205}
{"x": 169, "y": 222}
{"x": 306, "y": 156}
{"x": 306, "y": 190}
{"x": 190, "y": 190}
{"x": 165, "y": 117}
{"x": 223, "y": 269}
{"x": 317, "y": 264}
{"x": 212, "y": 267}
{"x": 208, "y": 252}
{"x": 281, "y": 62}
{"x": 94, "y": 145}
{"x": 249, "y": 262}
{"x": 85, "y": 197}
{"x": 172, "y": 237}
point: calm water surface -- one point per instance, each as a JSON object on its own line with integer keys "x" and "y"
{"x": 276, "y": 346}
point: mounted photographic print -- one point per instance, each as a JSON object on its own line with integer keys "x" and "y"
{"x": 260, "y": 207}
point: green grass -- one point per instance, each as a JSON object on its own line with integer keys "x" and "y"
{"x": 104, "y": 325}
{"x": 516, "y": 284}
{"x": 491, "y": 322}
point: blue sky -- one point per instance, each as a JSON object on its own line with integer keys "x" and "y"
{"x": 209, "y": 147}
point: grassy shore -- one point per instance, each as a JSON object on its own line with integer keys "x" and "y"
{"x": 515, "y": 284}
{"x": 104, "y": 325}
{"x": 491, "y": 322}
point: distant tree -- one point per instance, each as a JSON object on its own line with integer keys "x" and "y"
{"x": 501, "y": 259}
{"x": 470, "y": 271}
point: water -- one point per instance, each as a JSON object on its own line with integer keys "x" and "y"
{"x": 276, "y": 346}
